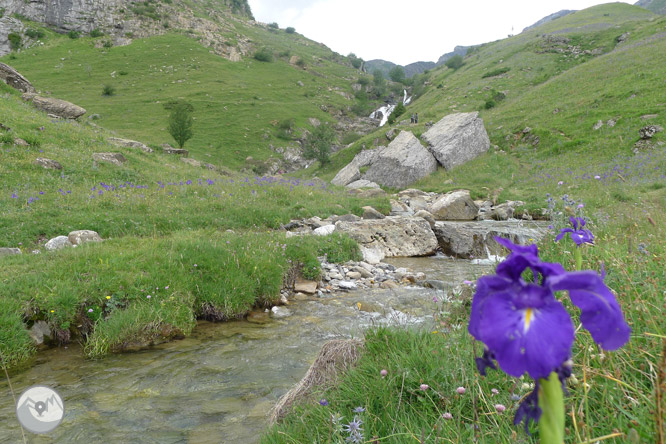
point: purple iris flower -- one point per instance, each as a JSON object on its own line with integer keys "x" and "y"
{"x": 579, "y": 234}
{"x": 523, "y": 326}
{"x": 526, "y": 330}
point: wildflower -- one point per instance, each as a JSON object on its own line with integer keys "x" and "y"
{"x": 461, "y": 390}
{"x": 447, "y": 415}
{"x": 323, "y": 402}
{"x": 424, "y": 387}
{"x": 580, "y": 206}
{"x": 597, "y": 177}
{"x": 354, "y": 426}
{"x": 526, "y": 330}
{"x": 494, "y": 391}
{"x": 148, "y": 297}
{"x": 500, "y": 408}
{"x": 90, "y": 310}
{"x": 560, "y": 183}
{"x": 579, "y": 234}
{"x": 108, "y": 297}
{"x": 383, "y": 373}
{"x": 359, "y": 409}
{"x": 434, "y": 299}
{"x": 166, "y": 288}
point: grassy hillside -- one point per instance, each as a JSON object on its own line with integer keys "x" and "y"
{"x": 240, "y": 108}
{"x": 164, "y": 223}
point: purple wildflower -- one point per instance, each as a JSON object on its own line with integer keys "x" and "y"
{"x": 323, "y": 402}
{"x": 579, "y": 234}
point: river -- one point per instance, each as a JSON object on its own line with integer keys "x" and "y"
{"x": 217, "y": 385}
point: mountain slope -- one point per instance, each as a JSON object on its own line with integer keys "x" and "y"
{"x": 656, "y": 6}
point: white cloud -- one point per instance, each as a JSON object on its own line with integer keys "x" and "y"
{"x": 407, "y": 31}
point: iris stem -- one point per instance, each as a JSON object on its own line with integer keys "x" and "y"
{"x": 551, "y": 402}
{"x": 578, "y": 255}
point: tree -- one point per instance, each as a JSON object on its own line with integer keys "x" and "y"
{"x": 318, "y": 144}
{"x": 397, "y": 74}
{"x": 454, "y": 62}
{"x": 290, "y": 30}
{"x": 180, "y": 123}
{"x": 397, "y": 112}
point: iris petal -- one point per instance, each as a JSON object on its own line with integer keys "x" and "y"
{"x": 537, "y": 350}
{"x": 600, "y": 312}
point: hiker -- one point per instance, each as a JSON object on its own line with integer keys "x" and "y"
{"x": 416, "y": 118}
{"x": 412, "y": 119}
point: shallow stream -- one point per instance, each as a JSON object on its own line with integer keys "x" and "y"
{"x": 217, "y": 385}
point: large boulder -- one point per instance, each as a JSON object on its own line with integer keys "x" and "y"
{"x": 80, "y": 237}
{"x": 456, "y": 205}
{"x": 48, "y": 164}
{"x": 14, "y": 79}
{"x": 392, "y": 236}
{"x": 362, "y": 183}
{"x": 457, "y": 138}
{"x": 4, "y": 251}
{"x": 57, "y": 107}
{"x": 347, "y": 175}
{"x": 477, "y": 239}
{"x": 403, "y": 162}
{"x": 58, "y": 243}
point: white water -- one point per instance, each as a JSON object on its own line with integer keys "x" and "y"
{"x": 385, "y": 111}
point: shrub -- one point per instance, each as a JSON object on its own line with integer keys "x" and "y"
{"x": 172, "y": 104}
{"x": 363, "y": 81}
{"x": 490, "y": 103}
{"x": 300, "y": 62}
{"x": 108, "y": 44}
{"x": 34, "y": 33}
{"x": 318, "y": 144}
{"x": 108, "y": 90}
{"x": 454, "y": 62}
{"x": 180, "y": 123}
{"x": 122, "y": 73}
{"x": 264, "y": 55}
{"x": 397, "y": 112}
{"x": 274, "y": 25}
{"x": 96, "y": 33}
{"x": 285, "y": 128}
{"x": 496, "y": 72}
{"x": 350, "y": 138}
{"x": 73, "y": 34}
{"x": 14, "y": 40}
{"x": 290, "y": 30}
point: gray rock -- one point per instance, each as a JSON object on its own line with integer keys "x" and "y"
{"x": 40, "y": 332}
{"x": 400, "y": 209}
{"x": 477, "y": 239}
{"x": 14, "y": 79}
{"x": 353, "y": 275}
{"x": 456, "y": 205}
{"x": 324, "y": 231}
{"x": 394, "y": 236}
{"x": 280, "y": 312}
{"x": 598, "y": 125}
{"x": 369, "y": 193}
{"x": 457, "y": 138}
{"x": 47, "y": 163}
{"x": 647, "y": 132}
{"x": 80, "y": 237}
{"x": 345, "y": 218}
{"x": 347, "y": 285}
{"x": 130, "y": 144}
{"x": 390, "y": 134}
{"x": 304, "y": 286}
{"x": 4, "y": 251}
{"x": 372, "y": 255}
{"x": 178, "y": 151}
{"x": 371, "y": 213}
{"x": 58, "y": 243}
{"x": 403, "y": 162}
{"x": 362, "y": 183}
{"x": 412, "y": 192}
{"x": 57, "y": 107}
{"x": 348, "y": 174}
{"x": 427, "y": 216}
{"x": 112, "y": 158}
{"x": 20, "y": 142}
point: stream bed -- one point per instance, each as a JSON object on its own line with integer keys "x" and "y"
{"x": 217, "y": 385}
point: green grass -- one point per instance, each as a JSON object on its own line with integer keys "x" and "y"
{"x": 235, "y": 104}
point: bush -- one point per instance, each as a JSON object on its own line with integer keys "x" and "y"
{"x": 14, "y": 40}
{"x": 363, "y": 81}
{"x": 318, "y": 144}
{"x": 96, "y": 33}
{"x": 274, "y": 25}
{"x": 496, "y": 72}
{"x": 350, "y": 138}
{"x": 108, "y": 90}
{"x": 290, "y": 30}
{"x": 285, "y": 128}
{"x": 397, "y": 112}
{"x": 454, "y": 62}
{"x": 73, "y": 34}
{"x": 300, "y": 62}
{"x": 180, "y": 123}
{"x": 108, "y": 44}
{"x": 34, "y": 33}
{"x": 490, "y": 103}
{"x": 355, "y": 61}
{"x": 264, "y": 55}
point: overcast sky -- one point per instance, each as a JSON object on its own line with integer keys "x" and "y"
{"x": 410, "y": 30}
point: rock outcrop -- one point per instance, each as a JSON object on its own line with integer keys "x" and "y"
{"x": 48, "y": 164}
{"x": 470, "y": 240}
{"x": 394, "y": 236}
{"x": 112, "y": 158}
{"x": 130, "y": 144}
{"x": 4, "y": 251}
{"x": 14, "y": 79}
{"x": 456, "y": 205}
{"x": 403, "y": 162}
{"x": 347, "y": 175}
{"x": 57, "y": 107}
{"x": 80, "y": 237}
{"x": 457, "y": 138}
